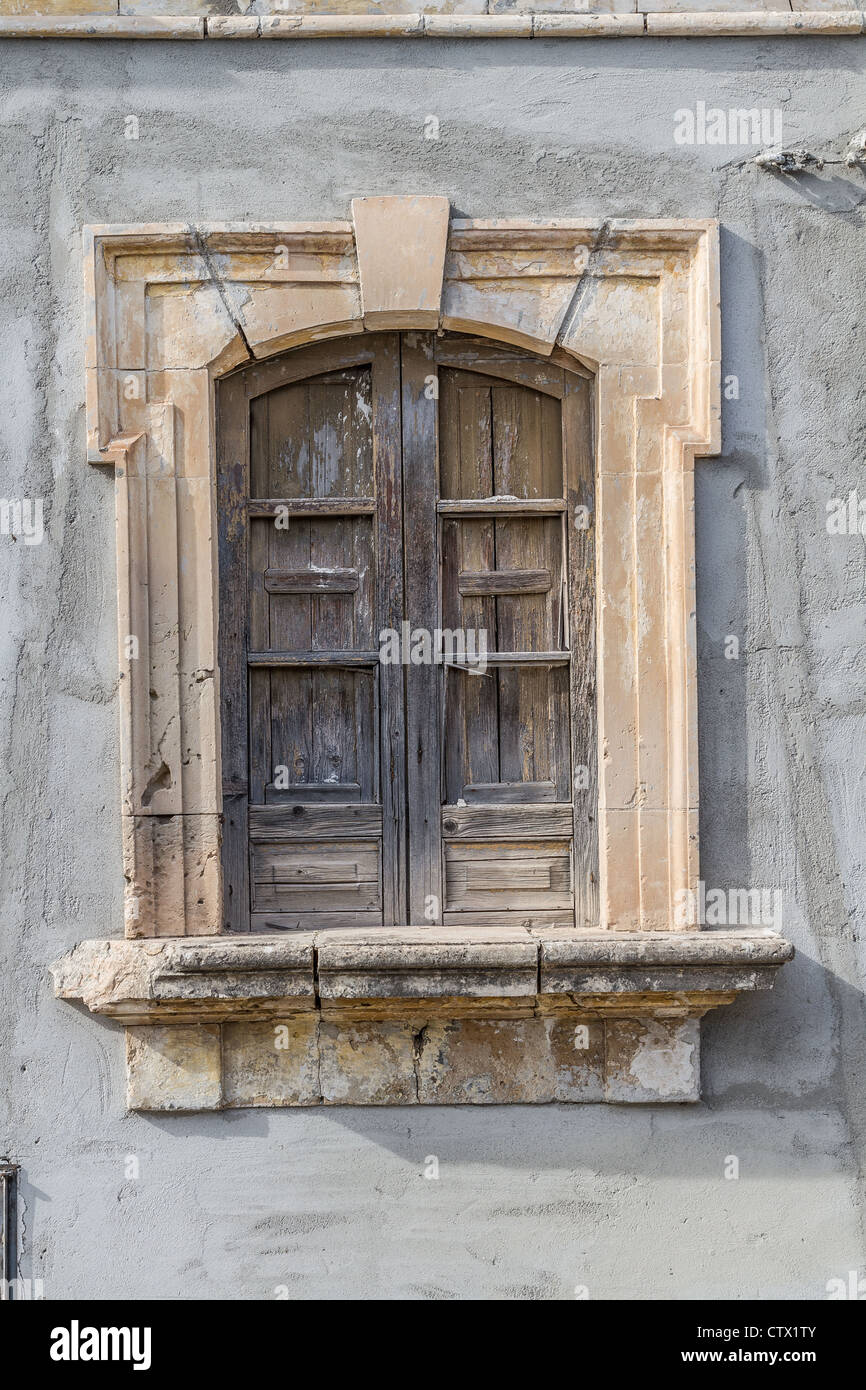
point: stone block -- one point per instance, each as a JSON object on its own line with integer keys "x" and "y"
{"x": 653, "y": 1060}
{"x": 173, "y": 1068}
{"x": 474, "y": 1061}
{"x": 401, "y": 259}
{"x": 272, "y": 1063}
{"x": 367, "y": 1063}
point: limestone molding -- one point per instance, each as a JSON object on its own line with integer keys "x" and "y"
{"x": 172, "y": 307}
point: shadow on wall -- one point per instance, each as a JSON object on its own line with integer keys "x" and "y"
{"x": 766, "y": 1079}
{"x": 722, "y": 573}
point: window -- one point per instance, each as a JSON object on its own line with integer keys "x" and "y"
{"x": 406, "y": 637}
{"x": 351, "y": 487}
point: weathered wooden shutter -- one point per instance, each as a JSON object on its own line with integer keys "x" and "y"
{"x": 311, "y": 571}
{"x": 519, "y": 762}
{"x": 357, "y": 791}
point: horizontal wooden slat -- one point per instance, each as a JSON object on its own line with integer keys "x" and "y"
{"x": 315, "y": 863}
{"x": 520, "y": 792}
{"x": 501, "y": 506}
{"x": 335, "y": 659}
{"x": 514, "y": 899}
{"x": 485, "y": 582}
{"x": 501, "y": 878}
{"x": 312, "y": 791}
{"x": 486, "y": 920}
{"x": 299, "y": 822}
{"x": 512, "y": 876}
{"x": 510, "y": 822}
{"x": 314, "y": 921}
{"x": 477, "y": 362}
{"x": 311, "y": 506}
{"x": 541, "y": 849}
{"x": 343, "y": 897}
{"x": 322, "y": 581}
{"x": 510, "y": 659}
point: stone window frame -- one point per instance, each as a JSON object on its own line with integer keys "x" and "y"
{"x": 171, "y": 308}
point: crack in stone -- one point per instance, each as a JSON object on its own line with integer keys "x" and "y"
{"x": 217, "y": 281}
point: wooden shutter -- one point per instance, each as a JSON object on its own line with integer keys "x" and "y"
{"x": 519, "y": 751}
{"x": 311, "y": 571}
{"x": 437, "y": 482}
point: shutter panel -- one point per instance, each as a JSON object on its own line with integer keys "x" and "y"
{"x": 515, "y": 462}
{"x": 313, "y": 551}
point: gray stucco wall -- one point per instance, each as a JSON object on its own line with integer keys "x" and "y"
{"x": 530, "y": 1202}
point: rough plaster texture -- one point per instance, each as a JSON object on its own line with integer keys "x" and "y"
{"x": 530, "y": 1202}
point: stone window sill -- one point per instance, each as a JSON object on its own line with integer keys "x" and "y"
{"x": 224, "y": 979}
{"x": 421, "y": 1016}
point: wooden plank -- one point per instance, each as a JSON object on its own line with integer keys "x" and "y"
{"x": 329, "y": 792}
{"x": 259, "y": 710}
{"x": 580, "y": 478}
{"x": 530, "y": 618}
{"x": 260, "y": 716}
{"x": 531, "y": 874}
{"x": 316, "y": 863}
{"x": 506, "y": 822}
{"x": 522, "y": 793}
{"x": 303, "y": 822}
{"x": 319, "y": 359}
{"x": 516, "y": 414}
{"x": 311, "y": 506}
{"x": 291, "y": 712}
{"x": 521, "y": 620}
{"x": 461, "y": 853}
{"x": 501, "y": 878}
{"x": 466, "y": 460}
{"x": 358, "y": 443}
{"x": 334, "y": 691}
{"x": 503, "y": 581}
{"x": 235, "y": 864}
{"x": 502, "y": 506}
{"x": 336, "y": 659}
{"x": 332, "y": 897}
{"x": 232, "y": 453}
{"x": 269, "y": 921}
{"x": 341, "y": 434}
{"x": 324, "y": 581}
{"x": 471, "y": 750}
{"x": 518, "y": 899}
{"x": 560, "y": 733}
{"x": 423, "y": 682}
{"x": 512, "y": 659}
{"x": 390, "y": 611}
{"x": 526, "y": 918}
{"x": 482, "y": 359}
{"x": 289, "y": 434}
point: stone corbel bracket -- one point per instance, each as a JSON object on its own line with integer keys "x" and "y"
{"x": 172, "y": 307}
{"x": 415, "y": 1017}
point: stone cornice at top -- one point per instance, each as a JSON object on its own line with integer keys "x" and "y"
{"x": 448, "y": 19}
